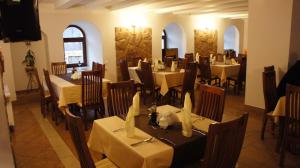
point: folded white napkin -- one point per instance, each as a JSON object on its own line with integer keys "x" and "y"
{"x": 197, "y": 57}
{"x": 76, "y": 75}
{"x": 167, "y": 118}
{"x": 129, "y": 122}
{"x": 181, "y": 70}
{"x": 136, "y": 103}
{"x": 145, "y": 60}
{"x": 186, "y": 117}
{"x": 233, "y": 62}
{"x": 173, "y": 66}
{"x": 139, "y": 64}
{"x": 213, "y": 60}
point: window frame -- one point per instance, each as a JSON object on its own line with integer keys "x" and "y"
{"x": 164, "y": 38}
{"x": 77, "y": 39}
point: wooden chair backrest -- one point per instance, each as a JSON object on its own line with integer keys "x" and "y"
{"x": 189, "y": 78}
{"x": 37, "y": 78}
{"x": 99, "y": 67}
{"x": 58, "y": 68}
{"x": 147, "y": 76}
{"x": 292, "y": 116}
{"x": 204, "y": 59}
{"x": 205, "y": 70}
{"x": 242, "y": 72}
{"x": 91, "y": 92}
{"x": 53, "y": 95}
{"x": 78, "y": 138}
{"x": 224, "y": 143}
{"x": 269, "y": 88}
{"x": 210, "y": 101}
{"x": 124, "y": 70}
{"x": 168, "y": 61}
{"x": 119, "y": 97}
{"x": 189, "y": 57}
{"x": 220, "y": 57}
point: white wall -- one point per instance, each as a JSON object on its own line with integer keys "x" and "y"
{"x": 268, "y": 43}
{"x": 18, "y": 52}
{"x": 93, "y": 42}
{"x": 53, "y": 22}
{"x": 175, "y": 38}
{"x": 8, "y": 76}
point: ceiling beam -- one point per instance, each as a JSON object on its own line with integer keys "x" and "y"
{"x": 200, "y": 5}
{"x": 213, "y": 9}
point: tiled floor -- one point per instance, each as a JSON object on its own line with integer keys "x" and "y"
{"x": 34, "y": 149}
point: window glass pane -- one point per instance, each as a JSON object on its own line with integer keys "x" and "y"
{"x": 72, "y": 32}
{"x": 73, "y": 52}
{"x": 162, "y": 44}
{"x": 163, "y": 33}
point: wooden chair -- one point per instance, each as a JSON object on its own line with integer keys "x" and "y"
{"x": 119, "y": 97}
{"x": 124, "y": 70}
{"x": 206, "y": 76}
{"x": 219, "y": 57}
{"x": 45, "y": 97}
{"x": 78, "y": 138}
{"x": 99, "y": 67}
{"x": 147, "y": 79}
{"x": 210, "y": 102}
{"x": 59, "y": 68}
{"x": 291, "y": 133}
{"x": 237, "y": 81}
{"x": 91, "y": 96}
{"x": 168, "y": 61}
{"x": 189, "y": 57}
{"x": 270, "y": 96}
{"x": 188, "y": 82}
{"x": 54, "y": 98}
{"x": 224, "y": 143}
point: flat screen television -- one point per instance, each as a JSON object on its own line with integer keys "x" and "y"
{"x": 19, "y": 20}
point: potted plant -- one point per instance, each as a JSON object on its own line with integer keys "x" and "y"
{"x": 29, "y": 60}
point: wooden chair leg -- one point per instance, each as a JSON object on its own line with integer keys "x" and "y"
{"x": 262, "y": 135}
{"x": 85, "y": 119}
{"x": 282, "y": 154}
{"x": 43, "y": 108}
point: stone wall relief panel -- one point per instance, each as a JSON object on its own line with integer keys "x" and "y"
{"x": 205, "y": 42}
{"x": 132, "y": 44}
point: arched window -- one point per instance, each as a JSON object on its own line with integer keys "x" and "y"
{"x": 75, "y": 46}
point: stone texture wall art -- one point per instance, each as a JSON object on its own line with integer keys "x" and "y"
{"x": 206, "y": 42}
{"x": 132, "y": 44}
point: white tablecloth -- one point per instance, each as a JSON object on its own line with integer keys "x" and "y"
{"x": 167, "y": 80}
{"x": 224, "y": 71}
{"x": 279, "y": 109}
{"x": 163, "y": 79}
{"x": 68, "y": 92}
{"x": 133, "y": 75}
{"x": 116, "y": 146}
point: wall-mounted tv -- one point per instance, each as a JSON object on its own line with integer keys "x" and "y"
{"x": 19, "y": 20}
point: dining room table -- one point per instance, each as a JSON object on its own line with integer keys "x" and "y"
{"x": 165, "y": 78}
{"x": 225, "y": 70}
{"x": 68, "y": 90}
{"x": 150, "y": 146}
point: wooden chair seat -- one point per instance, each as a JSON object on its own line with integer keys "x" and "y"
{"x": 105, "y": 163}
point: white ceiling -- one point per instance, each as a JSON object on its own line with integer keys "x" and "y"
{"x": 222, "y": 8}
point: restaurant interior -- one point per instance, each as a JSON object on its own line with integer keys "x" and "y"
{"x": 149, "y": 83}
